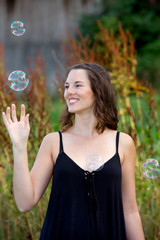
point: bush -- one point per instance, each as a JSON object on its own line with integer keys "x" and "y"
{"x": 13, "y": 224}
{"x": 138, "y": 106}
{"x": 139, "y": 112}
{"x": 142, "y": 19}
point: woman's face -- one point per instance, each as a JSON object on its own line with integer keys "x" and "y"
{"x": 78, "y": 93}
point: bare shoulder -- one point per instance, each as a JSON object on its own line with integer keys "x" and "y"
{"x": 51, "y": 137}
{"x": 126, "y": 139}
{"x": 127, "y": 145}
{"x": 51, "y": 140}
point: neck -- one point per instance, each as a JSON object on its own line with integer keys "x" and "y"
{"x": 85, "y": 125}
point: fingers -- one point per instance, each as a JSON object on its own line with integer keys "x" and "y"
{"x": 8, "y": 116}
{"x": 22, "y": 117}
{"x": 14, "y": 116}
{"x": 27, "y": 121}
{"x": 5, "y": 120}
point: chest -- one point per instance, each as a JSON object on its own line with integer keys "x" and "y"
{"x": 89, "y": 153}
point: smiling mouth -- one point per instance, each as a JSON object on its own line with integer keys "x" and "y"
{"x": 73, "y": 101}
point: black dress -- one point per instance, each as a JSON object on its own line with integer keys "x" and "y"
{"x": 84, "y": 205}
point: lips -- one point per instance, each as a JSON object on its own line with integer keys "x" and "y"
{"x": 73, "y": 100}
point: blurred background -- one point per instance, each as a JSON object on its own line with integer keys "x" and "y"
{"x": 47, "y": 23}
{"x": 121, "y": 35}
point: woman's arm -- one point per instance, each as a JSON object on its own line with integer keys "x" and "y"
{"x": 28, "y": 186}
{"x": 133, "y": 223}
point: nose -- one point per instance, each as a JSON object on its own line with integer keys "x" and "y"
{"x": 70, "y": 90}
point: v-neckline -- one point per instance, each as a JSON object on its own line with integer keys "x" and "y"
{"x": 94, "y": 170}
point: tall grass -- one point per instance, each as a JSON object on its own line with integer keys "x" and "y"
{"x": 138, "y": 105}
{"x": 13, "y": 224}
{"x": 139, "y": 111}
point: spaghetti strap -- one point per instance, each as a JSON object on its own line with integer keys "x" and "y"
{"x": 76, "y": 210}
{"x": 117, "y": 141}
{"x": 61, "y": 143}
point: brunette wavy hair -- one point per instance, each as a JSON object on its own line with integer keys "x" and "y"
{"x": 105, "y": 109}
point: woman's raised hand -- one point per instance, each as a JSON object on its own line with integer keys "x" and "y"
{"x": 18, "y": 130}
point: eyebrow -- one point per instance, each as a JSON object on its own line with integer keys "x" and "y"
{"x": 66, "y": 83}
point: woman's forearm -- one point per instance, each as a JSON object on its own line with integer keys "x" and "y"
{"x": 134, "y": 229}
{"x": 22, "y": 183}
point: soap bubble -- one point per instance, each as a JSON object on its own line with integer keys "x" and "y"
{"x": 151, "y": 168}
{"x": 17, "y": 28}
{"x": 94, "y": 163}
{"x": 18, "y": 80}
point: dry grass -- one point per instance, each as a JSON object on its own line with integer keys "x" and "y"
{"x": 138, "y": 113}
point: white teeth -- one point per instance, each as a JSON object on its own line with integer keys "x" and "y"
{"x": 72, "y": 100}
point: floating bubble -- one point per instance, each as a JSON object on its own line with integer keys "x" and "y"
{"x": 17, "y": 28}
{"x": 18, "y": 80}
{"x": 94, "y": 163}
{"x": 151, "y": 168}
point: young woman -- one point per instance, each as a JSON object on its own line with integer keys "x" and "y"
{"x": 85, "y": 203}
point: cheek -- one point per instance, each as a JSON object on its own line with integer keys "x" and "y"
{"x": 91, "y": 95}
{"x": 64, "y": 95}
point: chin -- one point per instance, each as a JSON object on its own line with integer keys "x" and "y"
{"x": 71, "y": 111}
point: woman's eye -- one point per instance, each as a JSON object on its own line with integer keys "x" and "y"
{"x": 66, "y": 86}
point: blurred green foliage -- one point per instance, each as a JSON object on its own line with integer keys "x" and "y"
{"x": 13, "y": 224}
{"x": 138, "y": 108}
{"x": 139, "y": 114}
{"x": 142, "y": 19}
